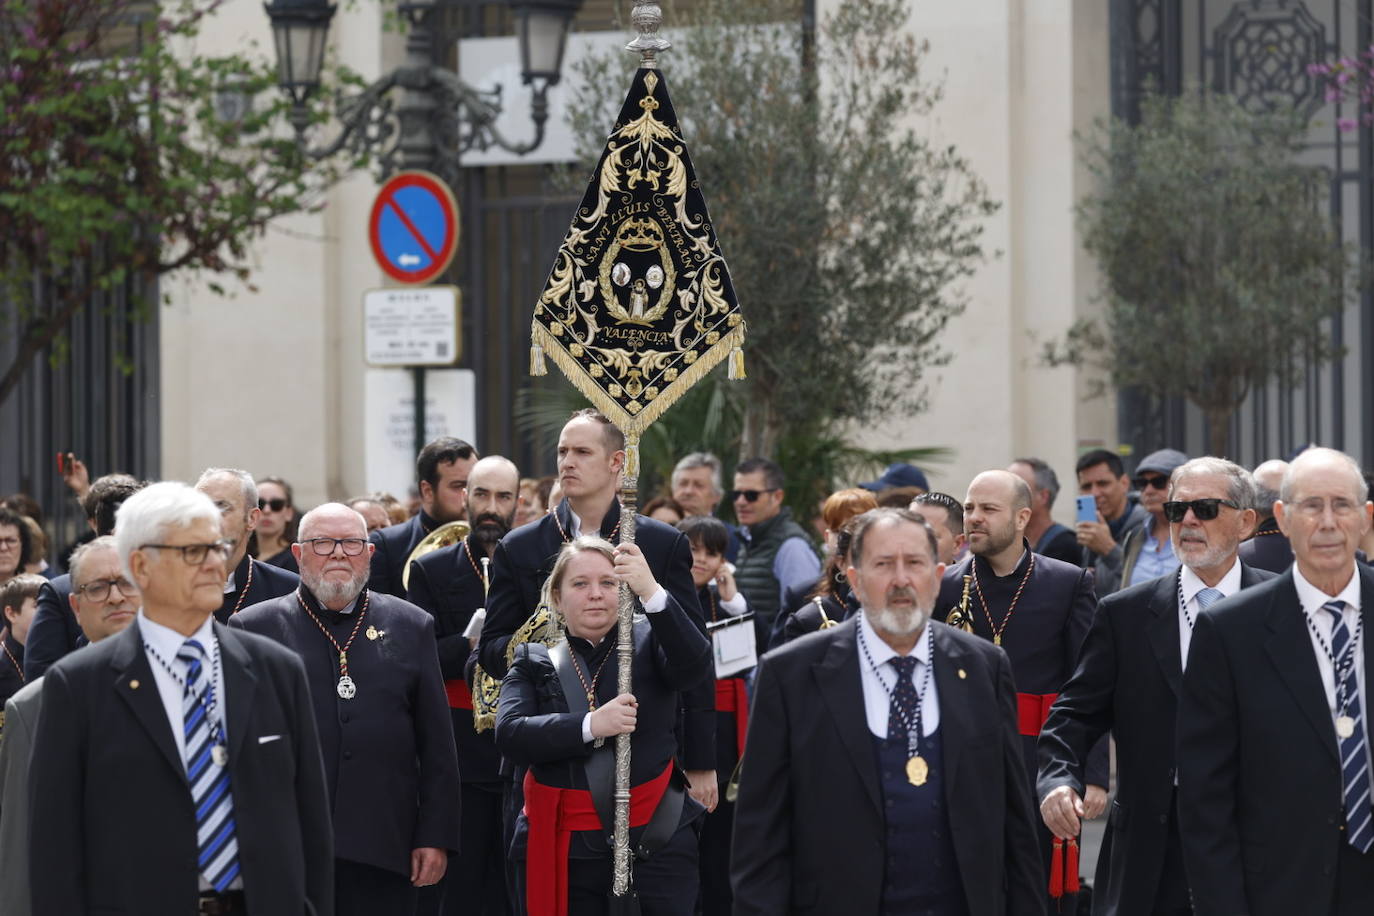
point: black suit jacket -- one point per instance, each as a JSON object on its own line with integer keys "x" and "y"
{"x": 389, "y": 755}
{"x": 1127, "y": 683}
{"x": 1043, "y": 637}
{"x": 809, "y": 777}
{"x": 267, "y": 582}
{"x": 447, "y": 585}
{"x": 112, "y": 828}
{"x": 54, "y": 631}
{"x": 1260, "y": 793}
{"x": 394, "y": 545}
{"x": 1268, "y": 549}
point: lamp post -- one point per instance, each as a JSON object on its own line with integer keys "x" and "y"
{"x": 438, "y": 116}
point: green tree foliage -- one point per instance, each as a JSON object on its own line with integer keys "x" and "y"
{"x": 117, "y": 164}
{"x": 1219, "y": 261}
{"x": 846, "y": 231}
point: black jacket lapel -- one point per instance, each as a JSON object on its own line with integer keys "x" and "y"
{"x": 134, "y": 683}
{"x": 1290, "y": 649}
{"x": 239, "y": 685}
{"x": 837, "y": 676}
{"x": 955, "y": 719}
{"x": 1163, "y": 630}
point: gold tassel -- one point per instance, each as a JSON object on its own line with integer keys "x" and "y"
{"x": 735, "y": 372}
{"x": 632, "y": 457}
{"x": 537, "y": 366}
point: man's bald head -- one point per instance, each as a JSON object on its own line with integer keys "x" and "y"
{"x": 1005, "y": 484}
{"x": 331, "y": 512}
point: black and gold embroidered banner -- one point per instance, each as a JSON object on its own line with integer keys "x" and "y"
{"x": 639, "y": 304}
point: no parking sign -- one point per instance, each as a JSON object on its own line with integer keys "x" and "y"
{"x": 414, "y": 227}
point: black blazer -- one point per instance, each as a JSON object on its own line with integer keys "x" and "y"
{"x": 394, "y": 545}
{"x": 447, "y": 585}
{"x": 809, "y": 777}
{"x": 1260, "y": 792}
{"x": 112, "y": 828}
{"x": 54, "y": 631}
{"x": 389, "y": 752}
{"x": 1127, "y": 683}
{"x": 268, "y": 582}
{"x": 1268, "y": 549}
{"x": 1043, "y": 637}
{"x": 535, "y": 729}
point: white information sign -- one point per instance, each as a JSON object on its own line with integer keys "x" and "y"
{"x": 450, "y": 410}
{"x": 411, "y": 327}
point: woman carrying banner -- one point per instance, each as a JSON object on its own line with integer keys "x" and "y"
{"x": 558, "y": 716}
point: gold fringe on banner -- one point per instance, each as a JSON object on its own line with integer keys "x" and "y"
{"x": 735, "y": 372}
{"x": 537, "y": 366}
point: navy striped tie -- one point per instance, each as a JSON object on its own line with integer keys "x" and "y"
{"x": 218, "y": 847}
{"x": 1359, "y": 824}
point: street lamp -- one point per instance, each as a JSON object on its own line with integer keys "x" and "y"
{"x": 439, "y": 116}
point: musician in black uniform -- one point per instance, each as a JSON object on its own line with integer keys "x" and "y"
{"x": 235, "y": 494}
{"x": 442, "y": 469}
{"x": 1038, "y": 610}
{"x": 559, "y": 706}
{"x": 378, "y": 697}
{"x": 450, "y": 583}
{"x": 18, "y": 601}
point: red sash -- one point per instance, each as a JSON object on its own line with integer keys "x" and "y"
{"x": 1032, "y": 709}
{"x": 459, "y": 694}
{"x": 732, "y": 697}
{"x": 553, "y": 814}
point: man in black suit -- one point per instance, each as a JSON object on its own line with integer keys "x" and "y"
{"x": 55, "y": 631}
{"x": 1273, "y": 737}
{"x": 176, "y": 767}
{"x": 1039, "y": 610}
{"x": 883, "y": 771}
{"x": 442, "y": 469}
{"x": 235, "y": 494}
{"x": 1269, "y": 548}
{"x": 379, "y": 704}
{"x": 451, "y": 583}
{"x": 1127, "y": 683}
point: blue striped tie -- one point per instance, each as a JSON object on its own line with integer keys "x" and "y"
{"x": 1207, "y": 597}
{"x": 1354, "y": 751}
{"x": 218, "y": 847}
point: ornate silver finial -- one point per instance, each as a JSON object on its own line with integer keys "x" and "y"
{"x": 646, "y": 18}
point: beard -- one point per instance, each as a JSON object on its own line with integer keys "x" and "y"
{"x": 488, "y": 529}
{"x": 1194, "y": 553}
{"x": 899, "y": 621}
{"x": 997, "y": 541}
{"x": 328, "y": 592}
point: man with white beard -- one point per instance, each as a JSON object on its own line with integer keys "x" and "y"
{"x": 378, "y": 696}
{"x": 884, "y": 771}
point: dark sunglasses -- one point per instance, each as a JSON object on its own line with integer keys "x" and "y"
{"x": 750, "y": 496}
{"x": 1204, "y": 509}
{"x": 276, "y": 505}
{"x": 1159, "y": 483}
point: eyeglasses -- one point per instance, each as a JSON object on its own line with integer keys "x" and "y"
{"x": 1314, "y": 506}
{"x": 275, "y": 505}
{"x": 99, "y": 590}
{"x": 324, "y": 547}
{"x": 194, "y": 554}
{"x": 1204, "y": 509}
{"x": 750, "y": 496}
{"x": 9, "y": 543}
{"x": 1157, "y": 482}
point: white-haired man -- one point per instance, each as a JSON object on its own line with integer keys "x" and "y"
{"x": 201, "y": 788}
{"x": 383, "y": 718}
{"x": 249, "y": 581}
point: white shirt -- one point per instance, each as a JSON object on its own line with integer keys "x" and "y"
{"x": 876, "y": 686}
{"x": 1228, "y": 586}
{"x": 1312, "y": 598}
{"x": 167, "y": 643}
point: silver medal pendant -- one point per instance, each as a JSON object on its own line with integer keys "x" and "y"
{"x": 346, "y": 689}
{"x": 220, "y": 755}
{"x": 1345, "y": 726}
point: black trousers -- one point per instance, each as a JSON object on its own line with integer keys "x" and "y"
{"x": 714, "y": 866}
{"x": 365, "y": 890}
{"x": 1354, "y": 882}
{"x": 1172, "y": 898}
{"x": 666, "y": 883}
{"x": 475, "y": 883}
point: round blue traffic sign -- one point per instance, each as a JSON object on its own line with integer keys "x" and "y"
{"x": 414, "y": 227}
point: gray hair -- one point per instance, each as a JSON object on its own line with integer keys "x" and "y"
{"x": 1361, "y": 489}
{"x": 887, "y": 517}
{"x": 80, "y": 555}
{"x": 1045, "y": 478}
{"x": 148, "y": 516}
{"x": 1240, "y": 486}
{"x": 250, "y": 486}
{"x": 308, "y": 519}
{"x": 700, "y": 460}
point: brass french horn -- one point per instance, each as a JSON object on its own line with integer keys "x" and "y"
{"x": 446, "y": 535}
